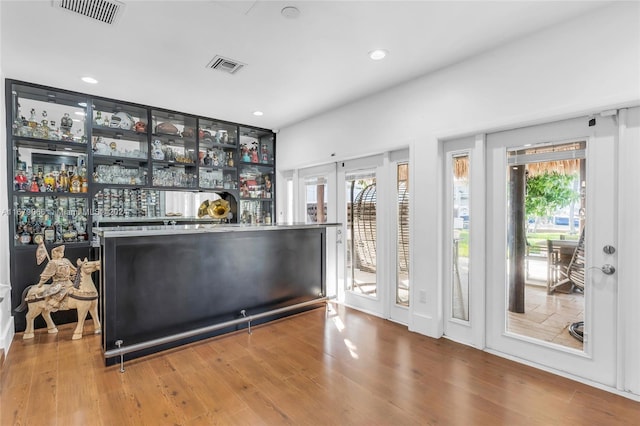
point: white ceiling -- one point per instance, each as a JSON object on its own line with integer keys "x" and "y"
{"x": 157, "y": 52}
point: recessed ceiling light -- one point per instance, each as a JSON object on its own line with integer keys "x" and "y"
{"x": 258, "y": 113}
{"x": 290, "y": 12}
{"x": 377, "y": 54}
{"x": 89, "y": 80}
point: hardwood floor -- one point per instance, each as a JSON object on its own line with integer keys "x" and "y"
{"x": 341, "y": 367}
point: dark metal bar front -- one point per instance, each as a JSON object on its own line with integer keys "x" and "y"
{"x": 184, "y": 335}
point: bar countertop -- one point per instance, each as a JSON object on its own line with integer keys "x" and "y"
{"x": 138, "y": 231}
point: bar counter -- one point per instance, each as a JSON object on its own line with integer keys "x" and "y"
{"x": 160, "y": 283}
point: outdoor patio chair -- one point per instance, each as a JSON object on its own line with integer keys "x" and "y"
{"x": 573, "y": 273}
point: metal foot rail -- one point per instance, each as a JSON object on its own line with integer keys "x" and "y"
{"x": 121, "y": 350}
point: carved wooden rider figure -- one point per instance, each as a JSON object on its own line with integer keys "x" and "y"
{"x": 61, "y": 271}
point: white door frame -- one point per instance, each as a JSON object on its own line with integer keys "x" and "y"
{"x": 629, "y": 268}
{"x": 470, "y": 332}
{"x": 597, "y": 362}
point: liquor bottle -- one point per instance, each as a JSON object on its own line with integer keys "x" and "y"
{"x": 54, "y": 132}
{"x": 75, "y": 183}
{"x": 46, "y": 131}
{"x": 38, "y": 236}
{"x": 63, "y": 180}
{"x": 25, "y": 237}
{"x": 49, "y": 231}
{"x": 83, "y": 178}
{"x": 40, "y": 180}
{"x": 34, "y": 187}
{"x": 50, "y": 182}
{"x": 32, "y": 120}
{"x": 58, "y": 228}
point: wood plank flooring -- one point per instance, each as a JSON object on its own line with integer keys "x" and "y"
{"x": 341, "y": 367}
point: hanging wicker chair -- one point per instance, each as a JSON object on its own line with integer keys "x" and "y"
{"x": 364, "y": 228}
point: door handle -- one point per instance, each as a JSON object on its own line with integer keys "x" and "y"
{"x": 606, "y": 269}
{"x": 339, "y": 239}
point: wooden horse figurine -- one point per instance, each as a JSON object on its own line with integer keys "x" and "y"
{"x": 82, "y": 295}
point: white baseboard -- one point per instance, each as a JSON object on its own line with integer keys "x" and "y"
{"x": 7, "y": 329}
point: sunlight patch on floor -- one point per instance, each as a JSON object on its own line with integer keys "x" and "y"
{"x": 352, "y": 348}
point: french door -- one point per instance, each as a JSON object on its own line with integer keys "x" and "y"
{"x": 361, "y": 265}
{"x": 317, "y": 204}
{"x": 374, "y": 248}
{"x": 551, "y": 288}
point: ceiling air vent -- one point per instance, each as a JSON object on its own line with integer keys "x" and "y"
{"x": 101, "y": 10}
{"x": 225, "y": 64}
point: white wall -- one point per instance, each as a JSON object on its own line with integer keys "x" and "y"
{"x": 585, "y": 65}
{"x": 6, "y": 321}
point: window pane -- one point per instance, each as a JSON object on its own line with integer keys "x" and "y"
{"x": 316, "y": 194}
{"x": 460, "y": 232}
{"x": 545, "y": 242}
{"x": 402, "y": 269}
{"x": 361, "y": 232}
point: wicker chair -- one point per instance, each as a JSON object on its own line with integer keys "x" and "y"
{"x": 574, "y": 272}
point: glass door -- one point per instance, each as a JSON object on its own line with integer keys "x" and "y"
{"x": 551, "y": 292}
{"x": 317, "y": 195}
{"x": 363, "y": 245}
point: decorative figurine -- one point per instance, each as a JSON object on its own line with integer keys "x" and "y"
{"x": 267, "y": 186}
{"x": 207, "y": 160}
{"x": 100, "y": 146}
{"x": 21, "y": 181}
{"x": 66, "y": 122}
{"x": 245, "y": 154}
{"x": 62, "y": 294}
{"x": 99, "y": 121}
{"x": 254, "y": 154}
{"x": 156, "y": 150}
{"x": 140, "y": 127}
{"x": 265, "y": 154}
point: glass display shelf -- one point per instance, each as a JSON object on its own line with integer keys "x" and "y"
{"x": 256, "y": 211}
{"x": 39, "y": 170}
{"x": 116, "y": 118}
{"x": 212, "y": 132}
{"x": 256, "y": 181}
{"x": 256, "y": 146}
{"x": 173, "y": 142}
{"x": 125, "y": 203}
{"x": 65, "y": 145}
{"x": 174, "y": 175}
{"x": 218, "y": 178}
{"x": 217, "y": 157}
{"x": 47, "y": 114}
{"x": 50, "y": 218}
{"x": 120, "y": 144}
{"x": 119, "y": 172}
